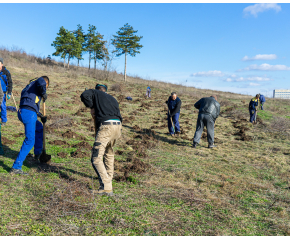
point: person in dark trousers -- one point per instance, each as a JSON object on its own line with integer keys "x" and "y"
{"x": 28, "y": 111}
{"x": 209, "y": 110}
{"x": 262, "y": 101}
{"x": 108, "y": 121}
{"x": 253, "y": 105}
{"x": 6, "y": 84}
{"x": 174, "y": 104}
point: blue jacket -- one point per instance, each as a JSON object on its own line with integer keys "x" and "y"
{"x": 253, "y": 103}
{"x": 149, "y": 89}
{"x": 174, "y": 106}
{"x": 31, "y": 95}
{"x": 262, "y": 98}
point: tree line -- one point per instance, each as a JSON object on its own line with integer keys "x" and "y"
{"x": 74, "y": 44}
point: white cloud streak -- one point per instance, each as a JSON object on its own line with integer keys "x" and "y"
{"x": 254, "y": 84}
{"x": 261, "y": 7}
{"x": 245, "y": 79}
{"x": 260, "y": 57}
{"x": 265, "y": 67}
{"x": 214, "y": 73}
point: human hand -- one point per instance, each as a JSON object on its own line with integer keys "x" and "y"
{"x": 8, "y": 96}
{"x": 43, "y": 119}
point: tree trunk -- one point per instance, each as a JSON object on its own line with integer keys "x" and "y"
{"x": 78, "y": 62}
{"x": 64, "y": 62}
{"x": 125, "y": 67}
{"x": 89, "y": 60}
{"x": 68, "y": 61}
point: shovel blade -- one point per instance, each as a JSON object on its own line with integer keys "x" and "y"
{"x": 45, "y": 158}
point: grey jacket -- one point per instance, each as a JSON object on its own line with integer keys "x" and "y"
{"x": 208, "y": 106}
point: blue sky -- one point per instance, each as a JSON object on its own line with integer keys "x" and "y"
{"x": 242, "y": 48}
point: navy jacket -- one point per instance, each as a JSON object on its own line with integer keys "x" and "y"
{"x": 253, "y": 103}
{"x": 6, "y": 81}
{"x": 174, "y": 106}
{"x": 31, "y": 95}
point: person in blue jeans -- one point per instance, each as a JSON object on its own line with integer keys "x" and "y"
{"x": 28, "y": 111}
{"x": 148, "y": 92}
{"x": 174, "y": 104}
{"x": 6, "y": 84}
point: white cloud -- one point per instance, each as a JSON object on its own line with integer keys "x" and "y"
{"x": 265, "y": 67}
{"x": 245, "y": 79}
{"x": 254, "y": 84}
{"x": 214, "y": 73}
{"x": 261, "y": 7}
{"x": 260, "y": 57}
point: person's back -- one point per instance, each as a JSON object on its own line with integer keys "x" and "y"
{"x": 32, "y": 94}
{"x": 209, "y": 106}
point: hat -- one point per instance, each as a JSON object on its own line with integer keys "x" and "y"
{"x": 1, "y": 60}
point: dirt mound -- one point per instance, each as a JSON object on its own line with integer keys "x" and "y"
{"x": 70, "y": 134}
{"x": 81, "y": 112}
{"x": 242, "y": 130}
{"x": 121, "y": 98}
{"x": 118, "y": 152}
{"x": 62, "y": 154}
{"x": 79, "y": 154}
{"x": 6, "y": 141}
{"x": 138, "y": 166}
{"x": 145, "y": 105}
{"x": 84, "y": 145}
{"x": 58, "y": 142}
{"x": 60, "y": 121}
{"x": 18, "y": 135}
{"x": 137, "y": 128}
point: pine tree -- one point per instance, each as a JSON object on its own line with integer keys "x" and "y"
{"x": 81, "y": 38}
{"x": 66, "y": 45}
{"x": 99, "y": 49}
{"x": 126, "y": 42}
{"x": 90, "y": 41}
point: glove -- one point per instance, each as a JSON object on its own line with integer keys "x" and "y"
{"x": 253, "y": 111}
{"x": 8, "y": 96}
{"x": 44, "y": 97}
{"x": 43, "y": 119}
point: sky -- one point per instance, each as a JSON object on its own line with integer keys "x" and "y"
{"x": 240, "y": 48}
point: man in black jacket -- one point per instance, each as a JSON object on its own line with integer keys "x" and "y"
{"x": 108, "y": 121}
{"x": 6, "y": 83}
{"x": 174, "y": 104}
{"x": 209, "y": 110}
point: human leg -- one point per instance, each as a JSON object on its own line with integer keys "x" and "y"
{"x": 3, "y": 110}
{"x": 28, "y": 118}
{"x": 175, "y": 119}
{"x": 170, "y": 127}
{"x": 38, "y": 138}
{"x": 209, "y": 122}
{"x": 199, "y": 129}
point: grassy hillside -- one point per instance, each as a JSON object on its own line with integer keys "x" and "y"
{"x": 162, "y": 186}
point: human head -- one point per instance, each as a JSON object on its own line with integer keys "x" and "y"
{"x": 173, "y": 96}
{"x": 1, "y": 63}
{"x": 214, "y": 96}
{"x": 46, "y": 80}
{"x": 102, "y": 87}
{"x": 258, "y": 96}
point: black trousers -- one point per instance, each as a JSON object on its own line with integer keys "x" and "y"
{"x": 204, "y": 120}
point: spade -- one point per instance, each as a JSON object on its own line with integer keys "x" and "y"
{"x": 44, "y": 158}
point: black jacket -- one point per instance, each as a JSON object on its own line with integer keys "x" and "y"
{"x": 5, "y": 72}
{"x": 208, "y": 106}
{"x": 106, "y": 107}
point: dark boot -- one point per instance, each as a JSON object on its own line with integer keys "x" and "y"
{"x": 194, "y": 144}
{"x": 210, "y": 145}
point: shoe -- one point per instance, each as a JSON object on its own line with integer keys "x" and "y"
{"x": 3, "y": 123}
{"x": 211, "y": 146}
{"x": 17, "y": 171}
{"x": 178, "y": 133}
{"x": 172, "y": 135}
{"x": 194, "y": 144}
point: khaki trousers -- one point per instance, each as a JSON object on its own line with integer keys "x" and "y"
{"x": 103, "y": 154}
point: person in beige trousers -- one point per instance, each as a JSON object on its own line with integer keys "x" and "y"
{"x": 108, "y": 121}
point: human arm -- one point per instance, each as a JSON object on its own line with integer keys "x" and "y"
{"x": 41, "y": 86}
{"x": 197, "y": 104}
{"x": 9, "y": 81}
{"x": 87, "y": 98}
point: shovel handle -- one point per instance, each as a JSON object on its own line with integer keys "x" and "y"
{"x": 44, "y": 112}
{"x": 14, "y": 102}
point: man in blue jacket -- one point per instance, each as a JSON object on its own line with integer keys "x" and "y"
{"x": 174, "y": 104}
{"x": 253, "y": 105}
{"x": 6, "y": 84}
{"x": 28, "y": 111}
{"x": 148, "y": 92}
{"x": 262, "y": 100}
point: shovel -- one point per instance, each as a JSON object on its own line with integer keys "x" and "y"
{"x": 44, "y": 158}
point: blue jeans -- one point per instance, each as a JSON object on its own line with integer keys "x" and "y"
{"x": 175, "y": 123}
{"x": 3, "y": 110}
{"x": 33, "y": 133}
